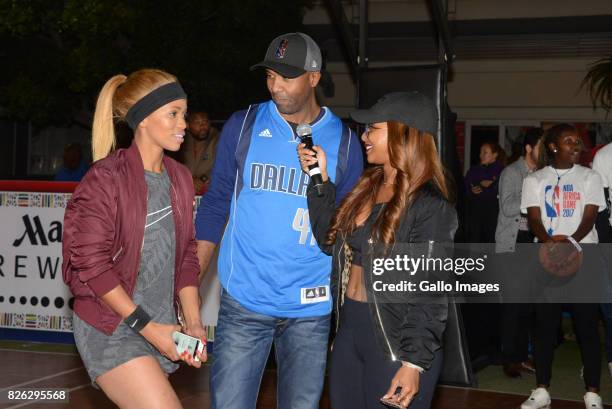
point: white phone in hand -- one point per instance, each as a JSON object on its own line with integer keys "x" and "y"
{"x": 188, "y": 343}
{"x": 391, "y": 403}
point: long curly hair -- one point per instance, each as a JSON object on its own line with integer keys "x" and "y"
{"x": 414, "y": 155}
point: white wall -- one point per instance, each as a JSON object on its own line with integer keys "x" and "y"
{"x": 525, "y": 90}
{"x": 494, "y": 89}
{"x": 541, "y": 90}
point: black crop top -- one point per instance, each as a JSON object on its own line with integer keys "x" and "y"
{"x": 360, "y": 235}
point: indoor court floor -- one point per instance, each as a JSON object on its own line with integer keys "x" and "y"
{"x": 34, "y": 369}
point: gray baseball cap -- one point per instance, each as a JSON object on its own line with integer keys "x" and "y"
{"x": 411, "y": 108}
{"x": 291, "y": 55}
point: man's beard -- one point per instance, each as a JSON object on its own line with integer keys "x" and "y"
{"x": 201, "y": 137}
{"x": 287, "y": 106}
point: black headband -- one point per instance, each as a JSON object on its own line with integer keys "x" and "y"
{"x": 153, "y": 100}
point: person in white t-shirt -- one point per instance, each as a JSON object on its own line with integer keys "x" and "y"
{"x": 602, "y": 164}
{"x": 562, "y": 200}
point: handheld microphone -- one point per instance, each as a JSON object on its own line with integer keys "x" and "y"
{"x": 304, "y": 132}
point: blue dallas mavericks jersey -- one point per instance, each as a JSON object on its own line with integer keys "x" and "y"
{"x": 269, "y": 260}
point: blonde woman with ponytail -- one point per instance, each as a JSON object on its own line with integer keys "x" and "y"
{"x": 128, "y": 246}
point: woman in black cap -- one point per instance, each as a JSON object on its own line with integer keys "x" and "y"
{"x": 384, "y": 350}
{"x": 129, "y": 247}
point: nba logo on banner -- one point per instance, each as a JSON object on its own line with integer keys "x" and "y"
{"x": 282, "y": 48}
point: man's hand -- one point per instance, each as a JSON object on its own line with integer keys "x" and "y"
{"x": 197, "y": 331}
{"x": 205, "y": 251}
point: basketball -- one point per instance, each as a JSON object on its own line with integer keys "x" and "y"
{"x": 560, "y": 257}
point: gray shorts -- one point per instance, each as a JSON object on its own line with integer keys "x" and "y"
{"x": 101, "y": 353}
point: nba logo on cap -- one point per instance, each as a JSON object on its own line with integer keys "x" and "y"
{"x": 291, "y": 55}
{"x": 282, "y": 48}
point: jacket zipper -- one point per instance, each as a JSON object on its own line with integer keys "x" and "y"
{"x": 393, "y": 358}
{"x": 143, "y": 238}
{"x": 339, "y": 285}
{"x": 176, "y": 227}
{"x": 118, "y": 253}
{"x": 144, "y": 223}
{"x": 175, "y": 198}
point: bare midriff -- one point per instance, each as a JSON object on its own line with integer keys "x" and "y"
{"x": 355, "y": 289}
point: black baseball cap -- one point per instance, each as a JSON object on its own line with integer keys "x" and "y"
{"x": 411, "y": 108}
{"x": 291, "y": 55}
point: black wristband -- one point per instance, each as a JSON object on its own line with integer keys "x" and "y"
{"x": 137, "y": 320}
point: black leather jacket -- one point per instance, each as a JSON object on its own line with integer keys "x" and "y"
{"x": 406, "y": 331}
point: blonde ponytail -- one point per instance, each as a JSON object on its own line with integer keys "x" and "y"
{"x": 103, "y": 130}
{"x": 117, "y": 96}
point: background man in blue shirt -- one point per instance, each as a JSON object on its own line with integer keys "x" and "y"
{"x": 74, "y": 167}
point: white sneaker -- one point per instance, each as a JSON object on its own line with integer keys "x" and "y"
{"x": 592, "y": 401}
{"x": 539, "y": 399}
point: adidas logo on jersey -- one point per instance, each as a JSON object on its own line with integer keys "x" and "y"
{"x": 265, "y": 133}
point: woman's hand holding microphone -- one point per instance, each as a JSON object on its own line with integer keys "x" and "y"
{"x": 310, "y": 157}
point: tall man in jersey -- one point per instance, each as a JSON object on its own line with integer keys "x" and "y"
{"x": 275, "y": 279}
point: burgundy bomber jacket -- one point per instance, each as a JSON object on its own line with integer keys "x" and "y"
{"x": 104, "y": 233}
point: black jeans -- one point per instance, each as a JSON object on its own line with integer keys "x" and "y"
{"x": 515, "y": 328}
{"x": 547, "y": 321}
{"x": 482, "y": 220}
{"x": 360, "y": 374}
{"x": 516, "y": 319}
